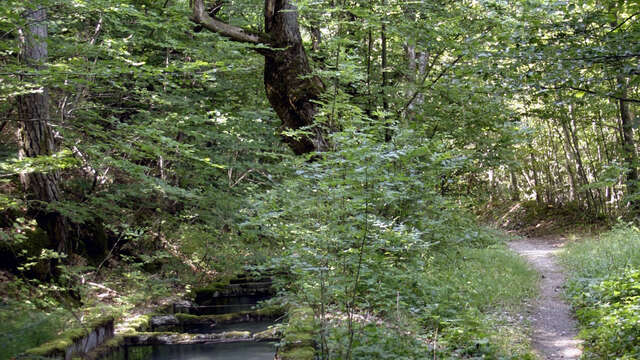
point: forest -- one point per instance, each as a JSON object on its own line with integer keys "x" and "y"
{"x": 392, "y": 167}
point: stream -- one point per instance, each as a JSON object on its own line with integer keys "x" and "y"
{"x": 240, "y": 297}
{"x": 221, "y": 351}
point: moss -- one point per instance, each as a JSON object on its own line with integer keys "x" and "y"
{"x": 154, "y": 333}
{"x": 269, "y": 334}
{"x": 100, "y": 322}
{"x": 188, "y": 319}
{"x": 59, "y": 346}
{"x": 298, "y": 336}
{"x": 52, "y": 348}
{"x": 235, "y": 334}
{"x": 267, "y": 312}
{"x": 223, "y": 286}
{"x": 298, "y": 353}
{"x": 140, "y": 323}
{"x": 114, "y": 342}
{"x": 211, "y": 290}
{"x": 270, "y": 311}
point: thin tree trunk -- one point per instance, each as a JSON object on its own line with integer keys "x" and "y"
{"x": 552, "y": 153}
{"x": 515, "y": 190}
{"x": 36, "y": 136}
{"x": 571, "y": 129}
{"x": 569, "y": 160}
{"x": 629, "y": 146}
{"x": 536, "y": 181}
{"x": 626, "y": 126}
{"x": 385, "y": 79}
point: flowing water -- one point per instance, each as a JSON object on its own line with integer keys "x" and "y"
{"x": 241, "y": 350}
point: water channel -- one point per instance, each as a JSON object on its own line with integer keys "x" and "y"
{"x": 221, "y": 351}
{"x": 242, "y": 296}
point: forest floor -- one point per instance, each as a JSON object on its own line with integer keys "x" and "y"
{"x": 554, "y": 329}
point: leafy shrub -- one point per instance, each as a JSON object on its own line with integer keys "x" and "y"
{"x": 604, "y": 289}
{"x": 610, "y": 311}
{"x": 363, "y": 233}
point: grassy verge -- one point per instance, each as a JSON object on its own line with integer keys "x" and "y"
{"x": 476, "y": 296}
{"x": 470, "y": 298}
{"x": 604, "y": 289}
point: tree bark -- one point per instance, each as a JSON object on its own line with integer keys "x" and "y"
{"x": 626, "y": 125}
{"x": 36, "y": 136}
{"x": 388, "y": 133}
{"x": 291, "y": 87}
{"x": 629, "y": 146}
{"x": 536, "y": 180}
{"x": 515, "y": 190}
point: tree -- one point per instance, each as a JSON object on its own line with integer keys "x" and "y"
{"x": 35, "y": 135}
{"x": 291, "y": 87}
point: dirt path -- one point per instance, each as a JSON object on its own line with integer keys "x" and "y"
{"x": 554, "y": 329}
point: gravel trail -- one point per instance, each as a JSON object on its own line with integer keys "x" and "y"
{"x": 554, "y": 329}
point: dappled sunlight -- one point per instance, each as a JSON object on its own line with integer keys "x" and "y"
{"x": 565, "y": 348}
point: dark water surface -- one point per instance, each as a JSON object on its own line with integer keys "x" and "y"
{"x": 254, "y": 327}
{"x": 223, "y": 351}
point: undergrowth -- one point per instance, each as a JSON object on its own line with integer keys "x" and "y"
{"x": 469, "y": 298}
{"x": 368, "y": 241}
{"x": 528, "y": 218}
{"x": 474, "y": 294}
{"x": 604, "y": 289}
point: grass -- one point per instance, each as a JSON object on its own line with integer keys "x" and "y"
{"x": 477, "y": 294}
{"x": 463, "y": 303}
{"x": 598, "y": 257}
{"x": 604, "y": 292}
{"x": 23, "y": 327}
{"x": 485, "y": 278}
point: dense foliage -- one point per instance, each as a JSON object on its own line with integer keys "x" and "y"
{"x": 154, "y": 144}
{"x": 604, "y": 291}
{"x": 574, "y": 68}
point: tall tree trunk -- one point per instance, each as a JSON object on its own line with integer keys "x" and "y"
{"x": 291, "y": 87}
{"x": 628, "y": 143}
{"x": 570, "y": 131}
{"x": 385, "y": 79}
{"x": 515, "y": 190}
{"x": 629, "y": 146}
{"x": 569, "y": 160}
{"x": 35, "y": 135}
{"x": 609, "y": 190}
{"x": 536, "y": 181}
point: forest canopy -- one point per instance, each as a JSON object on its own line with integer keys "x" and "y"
{"x": 351, "y": 143}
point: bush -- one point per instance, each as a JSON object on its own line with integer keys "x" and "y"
{"x": 610, "y": 313}
{"x": 604, "y": 289}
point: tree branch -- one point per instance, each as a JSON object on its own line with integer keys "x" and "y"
{"x": 200, "y": 16}
{"x": 422, "y": 88}
{"x": 623, "y": 22}
{"x": 587, "y": 91}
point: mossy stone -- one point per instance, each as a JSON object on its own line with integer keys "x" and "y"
{"x": 298, "y": 353}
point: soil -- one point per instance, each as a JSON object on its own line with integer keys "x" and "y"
{"x": 554, "y": 329}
